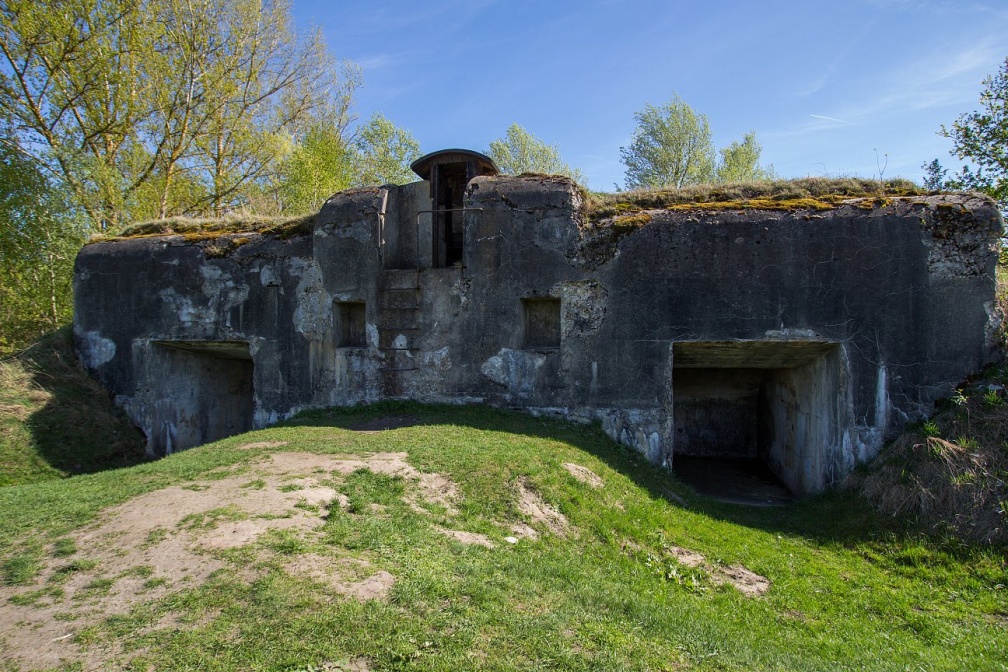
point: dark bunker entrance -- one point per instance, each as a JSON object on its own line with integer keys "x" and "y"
{"x": 204, "y": 392}
{"x": 755, "y": 421}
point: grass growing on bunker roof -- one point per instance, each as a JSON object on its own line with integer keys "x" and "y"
{"x": 811, "y": 193}
{"x": 197, "y": 229}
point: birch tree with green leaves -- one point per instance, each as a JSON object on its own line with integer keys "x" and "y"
{"x": 183, "y": 102}
{"x": 116, "y": 111}
{"x": 672, "y": 146}
{"x": 740, "y": 162}
{"x": 385, "y": 152}
{"x": 521, "y": 152}
{"x": 39, "y": 238}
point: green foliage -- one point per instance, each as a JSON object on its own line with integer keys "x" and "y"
{"x": 980, "y": 137}
{"x": 519, "y": 152}
{"x": 935, "y": 176}
{"x": 384, "y": 153}
{"x": 740, "y": 162}
{"x": 324, "y": 161}
{"x": 38, "y": 242}
{"x": 320, "y": 165}
{"x": 162, "y": 105}
{"x": 671, "y": 148}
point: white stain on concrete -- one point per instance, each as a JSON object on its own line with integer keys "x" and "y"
{"x": 313, "y": 314}
{"x": 95, "y": 349}
{"x": 514, "y": 369}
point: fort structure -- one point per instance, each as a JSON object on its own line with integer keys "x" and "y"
{"x": 803, "y": 334}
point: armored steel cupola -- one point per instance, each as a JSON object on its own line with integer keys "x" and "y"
{"x": 449, "y": 171}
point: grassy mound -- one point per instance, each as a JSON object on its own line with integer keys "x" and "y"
{"x": 55, "y": 420}
{"x": 468, "y": 538}
{"x": 949, "y": 474}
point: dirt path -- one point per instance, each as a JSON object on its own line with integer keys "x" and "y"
{"x": 157, "y": 543}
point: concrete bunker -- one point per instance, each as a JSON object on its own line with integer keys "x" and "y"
{"x": 804, "y": 352}
{"x": 779, "y": 405}
{"x": 201, "y": 390}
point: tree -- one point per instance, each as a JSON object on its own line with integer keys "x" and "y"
{"x": 521, "y": 152}
{"x": 385, "y": 152}
{"x": 123, "y": 98}
{"x": 980, "y": 137}
{"x": 935, "y": 176}
{"x": 38, "y": 242}
{"x": 326, "y": 159}
{"x": 318, "y": 167}
{"x": 72, "y": 92}
{"x": 740, "y": 162}
{"x": 671, "y": 147}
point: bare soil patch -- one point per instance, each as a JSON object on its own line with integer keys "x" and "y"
{"x": 686, "y": 557}
{"x": 262, "y": 444}
{"x": 170, "y": 539}
{"x": 747, "y": 582}
{"x": 531, "y": 503}
{"x": 584, "y": 475}
{"x": 467, "y": 538}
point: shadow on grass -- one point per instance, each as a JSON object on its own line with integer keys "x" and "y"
{"x": 833, "y": 517}
{"x": 78, "y": 430}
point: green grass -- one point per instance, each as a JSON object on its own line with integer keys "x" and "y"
{"x": 196, "y": 229}
{"x": 55, "y": 420}
{"x": 850, "y": 590}
{"x": 810, "y": 193}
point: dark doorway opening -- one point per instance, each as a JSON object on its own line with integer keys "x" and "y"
{"x": 448, "y": 182}
{"x": 732, "y": 480}
{"x": 350, "y": 324}
{"x": 202, "y": 391}
{"x": 763, "y": 417}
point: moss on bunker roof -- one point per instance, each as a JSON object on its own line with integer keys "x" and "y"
{"x": 811, "y": 193}
{"x": 197, "y": 230}
{"x": 621, "y": 209}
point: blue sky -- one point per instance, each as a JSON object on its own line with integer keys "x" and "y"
{"x": 823, "y": 84}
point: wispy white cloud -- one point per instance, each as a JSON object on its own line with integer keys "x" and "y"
{"x": 943, "y": 80}
{"x": 839, "y": 121}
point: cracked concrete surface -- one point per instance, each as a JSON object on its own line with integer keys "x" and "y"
{"x": 549, "y": 313}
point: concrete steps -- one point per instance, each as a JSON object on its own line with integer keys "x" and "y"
{"x": 398, "y": 320}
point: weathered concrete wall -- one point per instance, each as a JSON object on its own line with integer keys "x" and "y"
{"x": 845, "y": 323}
{"x": 806, "y": 424}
